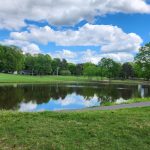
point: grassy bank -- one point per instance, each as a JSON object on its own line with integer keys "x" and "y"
{"x": 120, "y": 129}
{"x": 9, "y": 78}
{"x": 130, "y": 101}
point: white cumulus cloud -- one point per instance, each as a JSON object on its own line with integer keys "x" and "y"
{"x": 112, "y": 41}
{"x": 95, "y": 57}
{"x": 26, "y": 46}
{"x": 109, "y": 38}
{"x": 64, "y": 54}
{"x": 13, "y": 13}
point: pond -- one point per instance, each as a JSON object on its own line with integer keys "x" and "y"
{"x": 52, "y": 97}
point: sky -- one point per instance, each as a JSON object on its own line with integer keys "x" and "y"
{"x": 77, "y": 30}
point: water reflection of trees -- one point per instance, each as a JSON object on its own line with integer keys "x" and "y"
{"x": 12, "y": 96}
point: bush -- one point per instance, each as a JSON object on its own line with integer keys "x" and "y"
{"x": 65, "y": 72}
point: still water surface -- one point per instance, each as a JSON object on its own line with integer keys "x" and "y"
{"x": 41, "y": 97}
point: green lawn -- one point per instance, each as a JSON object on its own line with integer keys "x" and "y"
{"x": 9, "y": 78}
{"x": 125, "y": 129}
{"x": 130, "y": 101}
{"x": 136, "y": 100}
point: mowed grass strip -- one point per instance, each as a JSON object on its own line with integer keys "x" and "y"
{"x": 108, "y": 130}
{"x": 130, "y": 101}
{"x": 10, "y": 78}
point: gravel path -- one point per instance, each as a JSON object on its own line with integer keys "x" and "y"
{"x": 141, "y": 104}
{"x": 120, "y": 106}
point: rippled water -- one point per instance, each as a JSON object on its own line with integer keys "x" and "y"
{"x": 41, "y": 97}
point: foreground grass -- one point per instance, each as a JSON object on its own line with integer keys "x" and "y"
{"x": 9, "y": 78}
{"x": 111, "y": 130}
{"x": 130, "y": 101}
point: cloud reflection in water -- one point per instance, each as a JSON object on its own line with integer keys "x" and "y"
{"x": 71, "y": 101}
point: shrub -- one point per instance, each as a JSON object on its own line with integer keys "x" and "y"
{"x": 65, "y": 72}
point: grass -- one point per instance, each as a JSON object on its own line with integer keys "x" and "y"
{"x": 130, "y": 101}
{"x": 9, "y": 78}
{"x": 136, "y": 100}
{"x": 106, "y": 130}
{"x": 117, "y": 129}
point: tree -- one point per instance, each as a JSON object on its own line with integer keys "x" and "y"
{"x": 64, "y": 64}
{"x": 11, "y": 59}
{"x": 127, "y": 71}
{"x": 142, "y": 61}
{"x": 79, "y": 69}
{"x": 56, "y": 65}
{"x": 137, "y": 70}
{"x": 38, "y": 64}
{"x": 90, "y": 71}
{"x": 30, "y": 63}
{"x": 65, "y": 73}
{"x": 43, "y": 64}
{"x": 109, "y": 68}
{"x": 72, "y": 68}
{"x": 87, "y": 64}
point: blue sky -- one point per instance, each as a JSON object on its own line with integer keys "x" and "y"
{"x": 79, "y": 31}
{"x": 137, "y": 23}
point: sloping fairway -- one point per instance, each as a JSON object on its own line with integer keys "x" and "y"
{"x": 97, "y": 130}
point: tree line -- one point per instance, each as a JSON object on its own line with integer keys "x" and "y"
{"x": 13, "y": 60}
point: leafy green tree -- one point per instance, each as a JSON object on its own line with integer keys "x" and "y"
{"x": 137, "y": 70}
{"x": 87, "y": 64}
{"x": 64, "y": 64}
{"x": 30, "y": 63}
{"x": 117, "y": 69}
{"x": 38, "y": 64}
{"x": 142, "y": 61}
{"x": 79, "y": 69}
{"x": 64, "y": 68}
{"x": 56, "y": 65}
{"x": 109, "y": 68}
{"x": 127, "y": 71}
{"x": 11, "y": 59}
{"x": 43, "y": 64}
{"x": 72, "y": 68}
{"x": 65, "y": 72}
{"x": 90, "y": 71}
